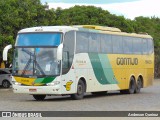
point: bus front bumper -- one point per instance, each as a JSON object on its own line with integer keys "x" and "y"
{"x": 33, "y": 90}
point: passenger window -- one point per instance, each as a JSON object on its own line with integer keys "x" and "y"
{"x": 144, "y": 46}
{"x": 117, "y": 44}
{"x": 137, "y": 45}
{"x": 94, "y": 43}
{"x": 82, "y": 42}
{"x": 127, "y": 45}
{"x": 106, "y": 44}
{"x": 150, "y": 46}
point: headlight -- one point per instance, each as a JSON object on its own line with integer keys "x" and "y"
{"x": 53, "y": 83}
{"x": 15, "y": 83}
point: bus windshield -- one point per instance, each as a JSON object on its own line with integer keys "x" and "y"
{"x": 38, "y": 39}
{"x": 36, "y": 54}
{"x": 36, "y": 62}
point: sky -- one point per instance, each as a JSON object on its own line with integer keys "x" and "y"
{"x": 128, "y": 8}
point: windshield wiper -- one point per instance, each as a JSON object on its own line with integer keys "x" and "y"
{"x": 26, "y": 66}
{"x": 28, "y": 52}
{"x": 38, "y": 66}
{"x": 29, "y": 62}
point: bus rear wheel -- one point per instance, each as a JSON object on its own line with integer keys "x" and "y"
{"x": 138, "y": 85}
{"x": 132, "y": 86}
{"x": 80, "y": 91}
{"x": 39, "y": 97}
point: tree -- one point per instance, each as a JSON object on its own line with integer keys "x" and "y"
{"x": 18, "y": 14}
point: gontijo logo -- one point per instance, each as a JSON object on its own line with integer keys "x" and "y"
{"x": 127, "y": 61}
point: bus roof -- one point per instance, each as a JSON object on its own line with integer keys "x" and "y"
{"x": 89, "y": 28}
{"x": 48, "y": 29}
{"x": 110, "y": 30}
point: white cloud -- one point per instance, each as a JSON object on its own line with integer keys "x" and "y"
{"x": 138, "y": 8}
{"x": 129, "y": 9}
{"x": 62, "y": 5}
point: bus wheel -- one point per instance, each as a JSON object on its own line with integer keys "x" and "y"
{"x": 139, "y": 85}
{"x": 80, "y": 91}
{"x": 132, "y": 86}
{"x": 99, "y": 93}
{"x": 39, "y": 97}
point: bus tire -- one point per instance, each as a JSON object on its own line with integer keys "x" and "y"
{"x": 132, "y": 86}
{"x": 138, "y": 85}
{"x": 80, "y": 91}
{"x": 39, "y": 97}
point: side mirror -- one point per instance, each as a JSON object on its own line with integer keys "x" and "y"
{"x": 59, "y": 52}
{"x": 5, "y": 52}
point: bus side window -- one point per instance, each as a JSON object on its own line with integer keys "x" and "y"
{"x": 68, "y": 51}
{"x": 82, "y": 42}
{"x": 127, "y": 45}
{"x": 117, "y": 44}
{"x": 144, "y": 46}
{"x": 65, "y": 59}
{"x": 106, "y": 44}
{"x": 150, "y": 46}
{"x": 137, "y": 45}
{"x": 94, "y": 43}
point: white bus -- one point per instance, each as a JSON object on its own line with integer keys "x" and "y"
{"x": 73, "y": 60}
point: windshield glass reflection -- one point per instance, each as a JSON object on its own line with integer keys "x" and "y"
{"x": 36, "y": 62}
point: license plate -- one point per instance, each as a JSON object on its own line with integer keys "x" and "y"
{"x": 32, "y": 90}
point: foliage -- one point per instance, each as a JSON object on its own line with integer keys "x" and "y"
{"x": 18, "y": 14}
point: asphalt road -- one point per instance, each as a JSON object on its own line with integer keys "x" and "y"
{"x": 147, "y": 100}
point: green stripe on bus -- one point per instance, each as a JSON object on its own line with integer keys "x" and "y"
{"x": 107, "y": 68}
{"x": 102, "y": 68}
{"x": 44, "y": 80}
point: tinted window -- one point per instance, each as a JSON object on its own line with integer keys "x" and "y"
{"x": 127, "y": 45}
{"x": 150, "y": 46}
{"x": 68, "y": 51}
{"x": 82, "y": 42}
{"x": 144, "y": 46}
{"x": 106, "y": 43}
{"x": 117, "y": 44}
{"x": 94, "y": 43}
{"x": 38, "y": 39}
{"x": 137, "y": 45}
{"x": 3, "y": 72}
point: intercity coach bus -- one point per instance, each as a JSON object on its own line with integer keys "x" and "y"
{"x": 73, "y": 60}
